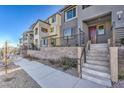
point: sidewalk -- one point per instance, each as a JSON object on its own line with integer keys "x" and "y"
{"x": 48, "y": 77}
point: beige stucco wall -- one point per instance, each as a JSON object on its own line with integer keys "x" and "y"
{"x": 28, "y": 39}
{"x": 40, "y": 34}
{"x": 55, "y": 52}
{"x": 56, "y": 31}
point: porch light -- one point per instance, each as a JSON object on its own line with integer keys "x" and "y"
{"x": 119, "y": 15}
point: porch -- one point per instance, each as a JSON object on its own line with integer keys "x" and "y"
{"x": 97, "y": 29}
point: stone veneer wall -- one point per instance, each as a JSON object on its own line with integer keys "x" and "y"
{"x": 55, "y": 52}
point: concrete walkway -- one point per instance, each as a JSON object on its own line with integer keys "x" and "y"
{"x": 48, "y": 77}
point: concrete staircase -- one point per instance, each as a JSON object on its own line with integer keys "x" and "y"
{"x": 96, "y": 68}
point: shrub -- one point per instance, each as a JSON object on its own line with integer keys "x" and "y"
{"x": 68, "y": 63}
{"x": 122, "y": 41}
{"x": 121, "y": 75}
{"x": 53, "y": 62}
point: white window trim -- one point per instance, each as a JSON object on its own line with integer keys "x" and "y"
{"x": 66, "y": 20}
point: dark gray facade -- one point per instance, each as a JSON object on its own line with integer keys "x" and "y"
{"x": 111, "y": 16}
{"x": 97, "y": 11}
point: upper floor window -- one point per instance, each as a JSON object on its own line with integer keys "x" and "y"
{"x": 85, "y": 6}
{"x": 44, "y": 30}
{"x": 52, "y": 29}
{"x": 53, "y": 19}
{"x": 36, "y": 31}
{"x": 71, "y": 14}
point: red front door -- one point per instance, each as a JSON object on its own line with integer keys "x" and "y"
{"x": 92, "y": 34}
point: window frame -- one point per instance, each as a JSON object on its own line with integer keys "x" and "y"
{"x": 66, "y": 12}
{"x": 85, "y": 6}
{"x": 98, "y": 29}
{"x": 36, "y": 31}
{"x": 52, "y": 28}
{"x": 72, "y": 33}
{"x": 44, "y": 42}
{"x": 53, "y": 18}
{"x": 45, "y": 30}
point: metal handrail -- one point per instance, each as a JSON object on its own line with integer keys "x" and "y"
{"x": 83, "y": 55}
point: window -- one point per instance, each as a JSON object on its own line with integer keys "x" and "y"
{"x": 69, "y": 32}
{"x": 52, "y": 29}
{"x": 85, "y": 6}
{"x": 101, "y": 30}
{"x": 36, "y": 41}
{"x": 36, "y": 31}
{"x": 44, "y": 41}
{"x": 53, "y": 19}
{"x": 53, "y": 41}
{"x": 44, "y": 30}
{"x": 71, "y": 13}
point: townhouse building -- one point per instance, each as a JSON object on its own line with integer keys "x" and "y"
{"x": 98, "y": 23}
{"x": 69, "y": 25}
{"x": 40, "y": 32}
{"x": 54, "y": 30}
{"x": 27, "y": 39}
{"x": 95, "y": 24}
{"x": 76, "y": 25}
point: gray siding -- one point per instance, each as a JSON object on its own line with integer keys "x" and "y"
{"x": 119, "y": 34}
{"x": 98, "y": 10}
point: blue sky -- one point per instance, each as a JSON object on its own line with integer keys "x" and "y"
{"x": 15, "y": 19}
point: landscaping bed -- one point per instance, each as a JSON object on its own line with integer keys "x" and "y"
{"x": 15, "y": 78}
{"x": 65, "y": 64}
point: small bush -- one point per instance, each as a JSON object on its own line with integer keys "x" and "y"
{"x": 65, "y": 63}
{"x": 29, "y": 57}
{"x": 121, "y": 75}
{"x": 53, "y": 62}
{"x": 122, "y": 41}
{"x": 68, "y": 63}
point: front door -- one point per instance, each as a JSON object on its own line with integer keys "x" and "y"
{"x": 92, "y": 34}
{"x": 53, "y": 41}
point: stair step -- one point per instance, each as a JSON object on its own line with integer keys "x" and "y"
{"x": 100, "y": 44}
{"x": 99, "y": 80}
{"x": 92, "y": 46}
{"x": 103, "y": 63}
{"x": 104, "y": 45}
{"x": 98, "y": 48}
{"x": 97, "y": 54}
{"x": 98, "y": 51}
{"x": 96, "y": 67}
{"x": 96, "y": 72}
{"x": 97, "y": 58}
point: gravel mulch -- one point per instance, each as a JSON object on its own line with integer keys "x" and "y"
{"x": 16, "y": 78}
